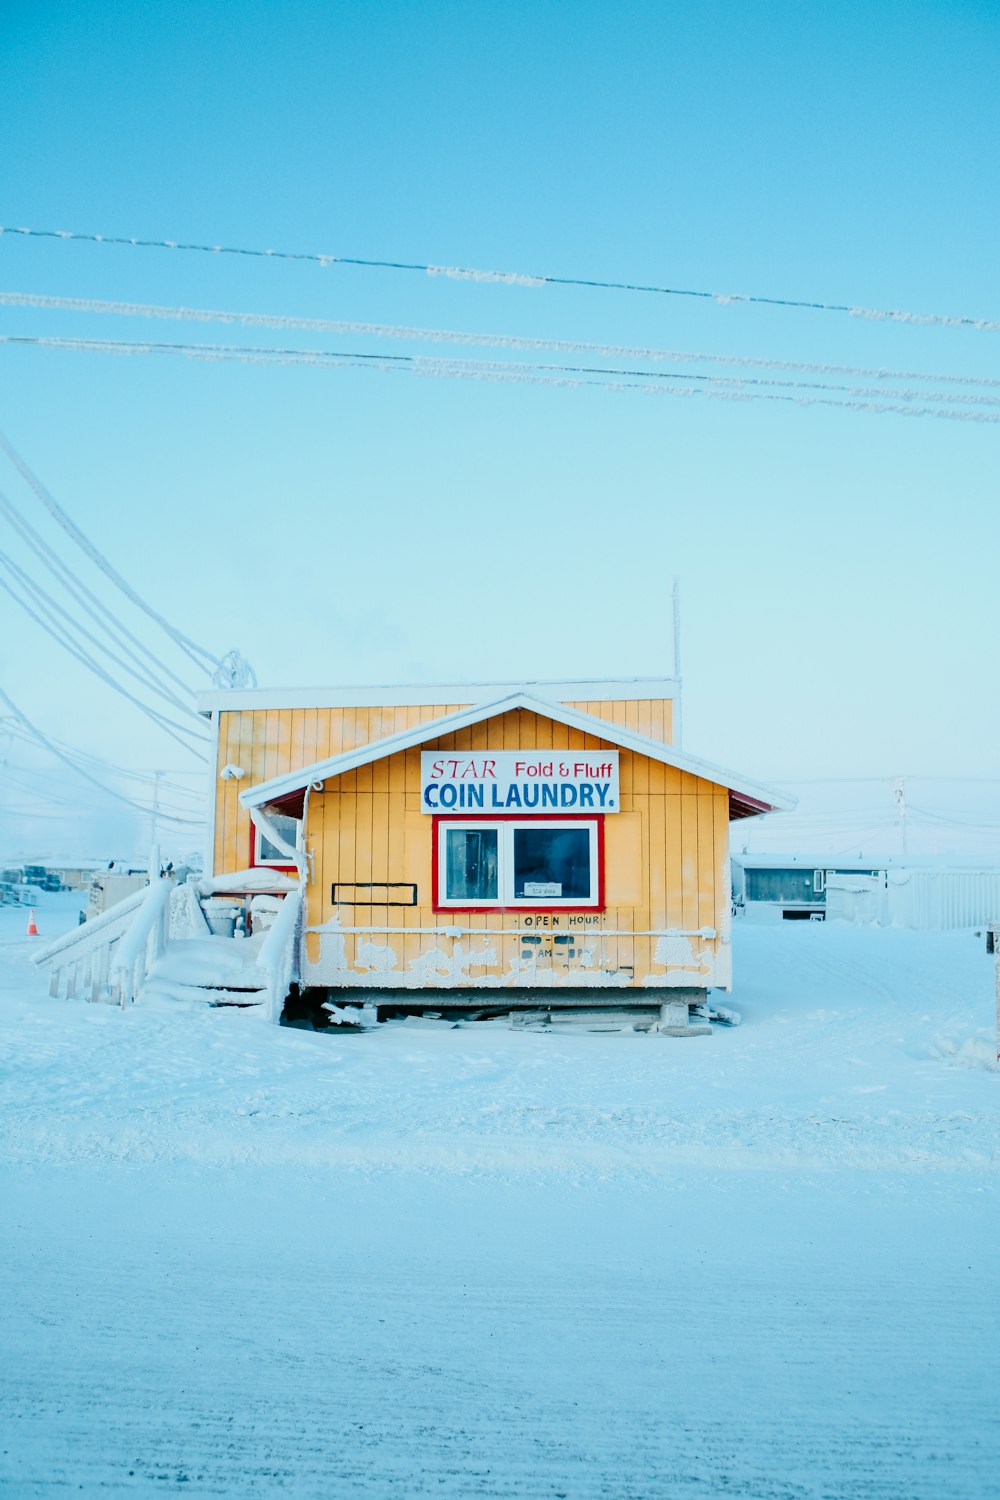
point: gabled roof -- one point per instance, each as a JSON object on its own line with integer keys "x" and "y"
{"x": 747, "y": 798}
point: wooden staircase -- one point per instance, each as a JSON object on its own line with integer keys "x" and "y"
{"x": 156, "y": 946}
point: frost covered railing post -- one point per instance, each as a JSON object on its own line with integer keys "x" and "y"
{"x": 84, "y": 956}
{"x": 143, "y": 944}
{"x": 278, "y": 954}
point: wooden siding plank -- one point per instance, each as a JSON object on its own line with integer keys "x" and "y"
{"x": 668, "y": 722}
{"x": 723, "y": 876}
{"x": 626, "y": 776}
{"x": 310, "y": 736}
{"x": 242, "y": 854}
{"x": 272, "y": 729}
{"x": 397, "y": 775}
{"x": 689, "y": 861}
{"x": 227, "y": 792}
{"x": 706, "y": 856}
{"x": 383, "y": 915}
{"x": 674, "y": 861}
{"x": 412, "y": 762}
{"x": 321, "y": 840}
{"x": 640, "y": 775}
{"x": 334, "y": 728}
{"x": 559, "y": 737}
{"x": 365, "y": 777}
{"x": 347, "y": 863}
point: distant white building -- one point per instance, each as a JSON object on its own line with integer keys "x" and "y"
{"x": 925, "y": 898}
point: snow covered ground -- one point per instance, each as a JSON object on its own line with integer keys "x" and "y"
{"x": 238, "y": 1260}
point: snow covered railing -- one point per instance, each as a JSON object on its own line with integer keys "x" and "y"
{"x": 187, "y": 919}
{"x": 143, "y": 944}
{"x": 278, "y": 952}
{"x": 82, "y": 957}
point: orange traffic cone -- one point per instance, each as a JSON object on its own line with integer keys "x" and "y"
{"x": 32, "y": 924}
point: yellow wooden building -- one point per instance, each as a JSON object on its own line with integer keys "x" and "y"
{"x": 513, "y": 836}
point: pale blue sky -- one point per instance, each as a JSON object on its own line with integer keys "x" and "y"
{"x": 838, "y": 570}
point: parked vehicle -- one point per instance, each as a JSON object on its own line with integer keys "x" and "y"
{"x": 33, "y": 875}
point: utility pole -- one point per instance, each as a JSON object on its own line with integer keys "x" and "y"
{"x": 676, "y": 595}
{"x": 899, "y": 792}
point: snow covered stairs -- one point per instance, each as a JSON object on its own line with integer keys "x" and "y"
{"x": 208, "y": 971}
{"x": 158, "y": 945}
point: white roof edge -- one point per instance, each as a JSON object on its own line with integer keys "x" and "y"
{"x": 422, "y": 695}
{"x": 408, "y": 739}
{"x": 968, "y": 864}
{"x": 813, "y": 861}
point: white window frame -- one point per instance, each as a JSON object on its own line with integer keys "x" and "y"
{"x": 505, "y": 898}
{"x": 283, "y": 862}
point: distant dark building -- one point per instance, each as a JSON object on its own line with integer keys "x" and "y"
{"x": 790, "y": 886}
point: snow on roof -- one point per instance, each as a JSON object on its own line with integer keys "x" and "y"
{"x": 748, "y": 798}
{"x": 406, "y": 695}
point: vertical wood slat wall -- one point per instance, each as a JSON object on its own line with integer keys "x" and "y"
{"x": 666, "y": 852}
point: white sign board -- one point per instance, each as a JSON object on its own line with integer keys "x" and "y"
{"x": 523, "y": 782}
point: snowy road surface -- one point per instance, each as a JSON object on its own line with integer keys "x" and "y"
{"x": 238, "y": 1260}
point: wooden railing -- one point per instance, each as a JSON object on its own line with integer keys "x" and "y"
{"x": 109, "y": 957}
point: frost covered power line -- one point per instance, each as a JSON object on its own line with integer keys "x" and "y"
{"x": 92, "y": 606}
{"x": 567, "y": 377}
{"x": 53, "y": 748}
{"x": 38, "y": 785}
{"x": 229, "y": 671}
{"x": 64, "y": 639}
{"x": 519, "y": 278}
{"x": 198, "y": 654}
{"x": 35, "y": 594}
{"x": 98, "y": 763}
{"x": 480, "y": 340}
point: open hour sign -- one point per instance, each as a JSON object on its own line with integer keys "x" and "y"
{"x": 519, "y": 781}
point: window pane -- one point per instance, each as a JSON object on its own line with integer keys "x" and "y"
{"x": 289, "y": 830}
{"x": 552, "y": 864}
{"x": 471, "y": 864}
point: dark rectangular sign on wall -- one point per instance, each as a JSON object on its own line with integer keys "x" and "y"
{"x": 374, "y": 893}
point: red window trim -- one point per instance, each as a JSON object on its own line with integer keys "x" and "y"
{"x": 287, "y": 869}
{"x": 522, "y": 907}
